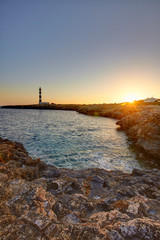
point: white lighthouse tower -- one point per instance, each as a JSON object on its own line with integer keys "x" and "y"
{"x": 40, "y": 96}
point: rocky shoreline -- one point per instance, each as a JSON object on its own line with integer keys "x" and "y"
{"x": 143, "y": 127}
{"x": 42, "y": 202}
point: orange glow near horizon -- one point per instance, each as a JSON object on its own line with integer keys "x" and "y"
{"x": 130, "y": 98}
{"x": 122, "y": 87}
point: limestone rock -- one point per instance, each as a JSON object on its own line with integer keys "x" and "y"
{"x": 41, "y": 202}
{"x": 144, "y": 128}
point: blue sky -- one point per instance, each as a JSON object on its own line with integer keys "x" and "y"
{"x": 79, "y": 51}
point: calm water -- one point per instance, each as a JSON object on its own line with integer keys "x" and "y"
{"x": 68, "y": 139}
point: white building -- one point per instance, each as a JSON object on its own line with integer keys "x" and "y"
{"x": 151, "y": 100}
{"x": 44, "y": 103}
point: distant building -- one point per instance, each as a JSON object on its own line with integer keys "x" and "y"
{"x": 40, "y": 98}
{"x": 44, "y": 103}
{"x": 151, "y": 100}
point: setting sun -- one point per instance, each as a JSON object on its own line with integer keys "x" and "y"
{"x": 130, "y": 98}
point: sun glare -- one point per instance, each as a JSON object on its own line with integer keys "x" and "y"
{"x": 130, "y": 98}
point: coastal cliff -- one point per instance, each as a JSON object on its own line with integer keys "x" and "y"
{"x": 39, "y": 201}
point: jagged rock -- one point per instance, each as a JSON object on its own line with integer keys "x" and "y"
{"x": 144, "y": 128}
{"x": 39, "y": 201}
{"x": 141, "y": 228}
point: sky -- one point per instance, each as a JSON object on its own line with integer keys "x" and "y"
{"x": 84, "y": 52}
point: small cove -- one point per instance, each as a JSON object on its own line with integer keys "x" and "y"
{"x": 69, "y": 139}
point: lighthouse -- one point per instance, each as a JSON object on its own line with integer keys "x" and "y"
{"x": 40, "y": 97}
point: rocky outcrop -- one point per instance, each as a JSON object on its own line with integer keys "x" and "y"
{"x": 144, "y": 128}
{"x": 39, "y": 201}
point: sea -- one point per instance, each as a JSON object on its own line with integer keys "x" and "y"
{"x": 68, "y": 139}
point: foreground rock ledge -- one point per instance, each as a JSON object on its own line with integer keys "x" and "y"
{"x": 41, "y": 202}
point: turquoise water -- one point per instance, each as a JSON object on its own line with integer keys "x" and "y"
{"x": 69, "y": 139}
